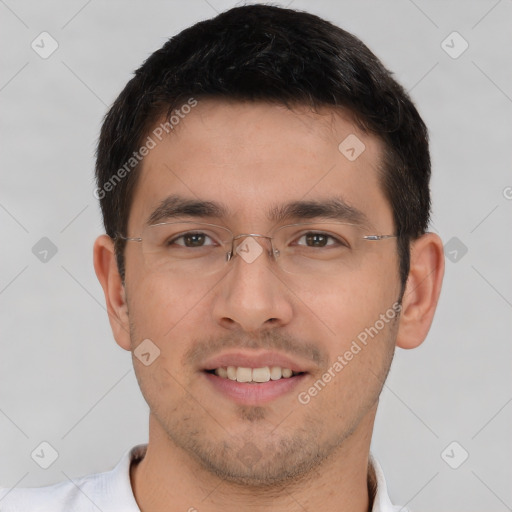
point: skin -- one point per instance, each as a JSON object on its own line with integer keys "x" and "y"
{"x": 251, "y": 156}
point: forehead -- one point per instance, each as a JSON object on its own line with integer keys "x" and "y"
{"x": 254, "y": 156}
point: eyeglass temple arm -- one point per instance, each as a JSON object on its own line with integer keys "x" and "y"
{"x": 378, "y": 237}
{"x": 132, "y": 239}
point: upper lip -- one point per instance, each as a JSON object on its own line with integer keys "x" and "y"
{"x": 253, "y": 359}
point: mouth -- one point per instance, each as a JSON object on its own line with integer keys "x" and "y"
{"x": 253, "y": 375}
{"x": 253, "y": 380}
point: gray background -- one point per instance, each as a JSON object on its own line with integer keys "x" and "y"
{"x": 63, "y": 378}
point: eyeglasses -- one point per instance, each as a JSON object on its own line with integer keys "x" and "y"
{"x": 194, "y": 249}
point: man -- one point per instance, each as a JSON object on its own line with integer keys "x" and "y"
{"x": 264, "y": 184}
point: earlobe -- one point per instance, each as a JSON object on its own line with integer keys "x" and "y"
{"x": 422, "y": 290}
{"x": 105, "y": 266}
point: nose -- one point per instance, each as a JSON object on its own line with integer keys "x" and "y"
{"x": 252, "y": 296}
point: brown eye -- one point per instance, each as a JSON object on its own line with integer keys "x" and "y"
{"x": 316, "y": 239}
{"x": 191, "y": 240}
{"x": 194, "y": 240}
{"x": 319, "y": 240}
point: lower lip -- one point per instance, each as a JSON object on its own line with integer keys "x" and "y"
{"x": 251, "y": 393}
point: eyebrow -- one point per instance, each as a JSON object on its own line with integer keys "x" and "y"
{"x": 334, "y": 208}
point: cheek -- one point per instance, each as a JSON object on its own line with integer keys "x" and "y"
{"x": 162, "y": 315}
{"x": 359, "y": 363}
{"x": 351, "y": 302}
{"x": 158, "y": 308}
{"x": 357, "y": 318}
{"x": 169, "y": 317}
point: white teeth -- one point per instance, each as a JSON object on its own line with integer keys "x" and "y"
{"x": 261, "y": 374}
{"x": 275, "y": 373}
{"x": 221, "y": 372}
{"x": 244, "y": 374}
{"x": 286, "y": 373}
{"x": 231, "y": 370}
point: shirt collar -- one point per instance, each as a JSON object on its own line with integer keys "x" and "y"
{"x": 378, "y": 488}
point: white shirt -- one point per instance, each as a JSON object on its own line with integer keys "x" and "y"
{"x": 112, "y": 492}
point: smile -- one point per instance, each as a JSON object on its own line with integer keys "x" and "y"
{"x": 256, "y": 375}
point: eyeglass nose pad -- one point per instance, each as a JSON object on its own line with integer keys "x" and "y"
{"x": 273, "y": 253}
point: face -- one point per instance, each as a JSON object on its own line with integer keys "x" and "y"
{"x": 335, "y": 331}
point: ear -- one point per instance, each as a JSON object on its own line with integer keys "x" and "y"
{"x": 422, "y": 290}
{"x": 107, "y": 272}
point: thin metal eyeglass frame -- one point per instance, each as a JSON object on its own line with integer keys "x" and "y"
{"x": 275, "y": 252}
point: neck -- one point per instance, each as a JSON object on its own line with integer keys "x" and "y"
{"x": 167, "y": 475}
